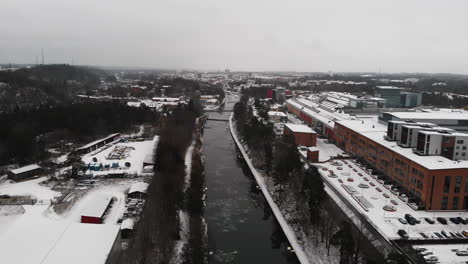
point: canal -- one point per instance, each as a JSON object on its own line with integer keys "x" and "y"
{"x": 241, "y": 228}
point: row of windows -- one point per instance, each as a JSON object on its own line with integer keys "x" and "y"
{"x": 417, "y": 182}
{"x": 400, "y": 163}
{"x": 457, "y": 184}
{"x": 417, "y": 172}
{"x": 455, "y": 201}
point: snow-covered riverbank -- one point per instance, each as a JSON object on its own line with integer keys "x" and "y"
{"x": 288, "y": 231}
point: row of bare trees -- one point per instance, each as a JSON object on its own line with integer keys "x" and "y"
{"x": 158, "y": 229}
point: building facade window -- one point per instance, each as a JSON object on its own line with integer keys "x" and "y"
{"x": 466, "y": 184}
{"x": 447, "y": 184}
{"x": 457, "y": 186}
{"x": 444, "y": 203}
{"x": 455, "y": 203}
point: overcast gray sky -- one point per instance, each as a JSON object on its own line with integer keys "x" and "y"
{"x": 250, "y": 35}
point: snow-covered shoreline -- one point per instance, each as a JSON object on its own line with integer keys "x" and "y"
{"x": 288, "y": 231}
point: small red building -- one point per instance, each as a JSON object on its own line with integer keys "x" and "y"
{"x": 95, "y": 209}
{"x": 303, "y": 134}
{"x": 313, "y": 154}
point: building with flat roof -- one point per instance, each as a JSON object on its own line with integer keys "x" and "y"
{"x": 97, "y": 143}
{"x": 456, "y": 119}
{"x": 434, "y": 181}
{"x": 44, "y": 241}
{"x": 409, "y": 99}
{"x": 277, "y": 117}
{"x": 24, "y": 172}
{"x": 95, "y": 209}
{"x": 391, "y": 94}
{"x": 422, "y": 153}
{"x": 303, "y": 134}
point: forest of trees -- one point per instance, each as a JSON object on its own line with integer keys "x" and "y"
{"x": 24, "y": 134}
{"x": 45, "y": 85}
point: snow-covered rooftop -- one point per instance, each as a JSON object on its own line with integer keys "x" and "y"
{"x": 376, "y": 132}
{"x": 43, "y": 241}
{"x": 275, "y": 113}
{"x": 97, "y": 141}
{"x": 139, "y": 187}
{"x": 299, "y": 128}
{"x": 97, "y": 206}
{"x": 26, "y": 168}
{"x": 385, "y": 222}
{"x": 127, "y": 224}
{"x": 432, "y": 115}
{"x": 389, "y": 87}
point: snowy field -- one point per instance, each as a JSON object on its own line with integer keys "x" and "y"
{"x": 136, "y": 156}
{"x": 28, "y": 188}
{"x": 117, "y": 188}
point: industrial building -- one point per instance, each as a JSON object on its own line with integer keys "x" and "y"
{"x": 95, "y": 209}
{"x": 97, "y": 144}
{"x": 434, "y": 181}
{"x": 277, "y": 117}
{"x": 24, "y": 172}
{"x": 43, "y": 241}
{"x": 456, "y": 119}
{"x": 408, "y": 99}
{"x": 422, "y": 153}
{"x": 398, "y": 97}
{"x": 138, "y": 190}
{"x": 303, "y": 134}
{"x": 391, "y": 94}
{"x": 347, "y": 100}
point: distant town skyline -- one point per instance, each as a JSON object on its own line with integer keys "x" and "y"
{"x": 305, "y": 36}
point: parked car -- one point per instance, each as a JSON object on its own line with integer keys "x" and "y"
{"x": 420, "y": 249}
{"x": 403, "y": 234}
{"x": 444, "y": 233}
{"x": 462, "y": 220}
{"x": 442, "y": 220}
{"x": 462, "y": 253}
{"x": 403, "y": 221}
{"x": 465, "y": 233}
{"x": 431, "y": 258}
{"x": 438, "y": 235}
{"x": 454, "y": 220}
{"x": 424, "y": 235}
{"x": 429, "y": 220}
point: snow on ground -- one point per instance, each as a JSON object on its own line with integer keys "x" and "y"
{"x": 29, "y": 187}
{"x": 136, "y": 157}
{"x": 184, "y": 237}
{"x": 446, "y": 253}
{"x": 61, "y": 159}
{"x": 117, "y": 190}
{"x": 384, "y": 221}
{"x": 188, "y": 164}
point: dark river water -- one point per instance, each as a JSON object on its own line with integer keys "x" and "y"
{"x": 241, "y": 228}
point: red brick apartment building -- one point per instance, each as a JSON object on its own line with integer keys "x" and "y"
{"x": 303, "y": 134}
{"x": 438, "y": 182}
{"x": 436, "y": 176}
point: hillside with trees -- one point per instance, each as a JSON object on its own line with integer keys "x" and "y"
{"x": 45, "y": 85}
